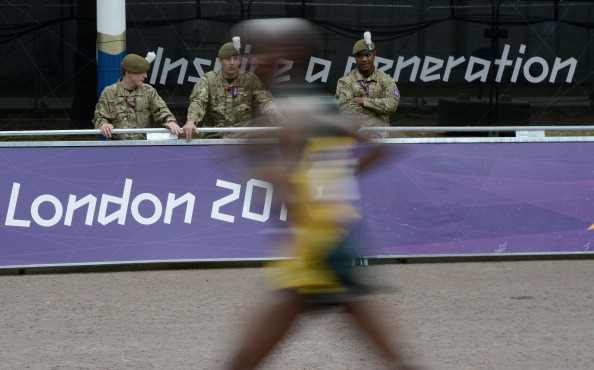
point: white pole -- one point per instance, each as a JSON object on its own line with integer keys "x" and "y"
{"x": 111, "y": 41}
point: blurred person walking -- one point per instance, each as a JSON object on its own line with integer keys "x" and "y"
{"x": 314, "y": 166}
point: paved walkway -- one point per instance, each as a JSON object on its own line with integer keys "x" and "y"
{"x": 466, "y": 315}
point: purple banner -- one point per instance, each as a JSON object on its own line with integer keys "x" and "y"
{"x": 89, "y": 205}
{"x": 482, "y": 199}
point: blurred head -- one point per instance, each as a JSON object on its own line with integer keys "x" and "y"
{"x": 279, "y": 40}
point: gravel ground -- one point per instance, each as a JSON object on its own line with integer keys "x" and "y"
{"x": 454, "y": 315}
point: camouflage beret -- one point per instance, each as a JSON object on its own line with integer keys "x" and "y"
{"x": 227, "y": 50}
{"x": 135, "y": 63}
{"x": 361, "y": 46}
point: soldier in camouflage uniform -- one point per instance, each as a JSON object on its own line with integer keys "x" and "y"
{"x": 224, "y": 98}
{"x": 366, "y": 92}
{"x": 130, "y": 103}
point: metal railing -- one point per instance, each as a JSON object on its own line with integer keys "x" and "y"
{"x": 255, "y": 129}
{"x": 128, "y": 131}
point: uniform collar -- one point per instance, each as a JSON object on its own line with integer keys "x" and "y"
{"x": 372, "y": 77}
{"x": 235, "y": 82}
{"x": 122, "y": 91}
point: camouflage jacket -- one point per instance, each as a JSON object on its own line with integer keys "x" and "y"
{"x": 220, "y": 104}
{"x": 380, "y": 93}
{"x": 131, "y": 109}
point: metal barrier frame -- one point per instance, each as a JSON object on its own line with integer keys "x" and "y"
{"x": 523, "y": 134}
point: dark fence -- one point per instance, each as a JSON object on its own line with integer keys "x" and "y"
{"x": 473, "y": 62}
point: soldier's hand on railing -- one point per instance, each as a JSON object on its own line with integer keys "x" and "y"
{"x": 188, "y": 129}
{"x": 173, "y": 127}
{"x": 106, "y": 129}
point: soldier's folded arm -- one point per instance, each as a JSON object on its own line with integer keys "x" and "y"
{"x": 385, "y": 105}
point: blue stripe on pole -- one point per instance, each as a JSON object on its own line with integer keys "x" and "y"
{"x": 109, "y": 69}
